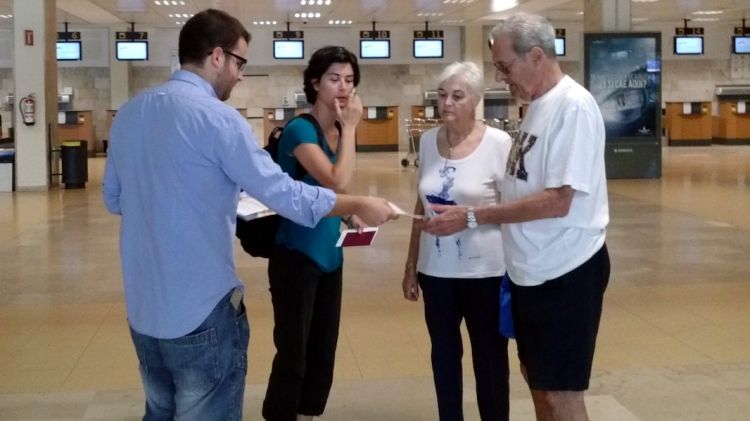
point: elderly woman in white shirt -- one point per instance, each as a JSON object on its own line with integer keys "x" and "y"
{"x": 461, "y": 162}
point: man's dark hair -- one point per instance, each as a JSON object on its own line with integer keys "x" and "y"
{"x": 320, "y": 61}
{"x": 207, "y": 30}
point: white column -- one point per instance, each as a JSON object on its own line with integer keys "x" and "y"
{"x": 474, "y": 46}
{"x": 119, "y": 76}
{"x": 35, "y": 72}
{"x": 606, "y": 15}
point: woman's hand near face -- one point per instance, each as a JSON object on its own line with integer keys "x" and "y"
{"x": 350, "y": 115}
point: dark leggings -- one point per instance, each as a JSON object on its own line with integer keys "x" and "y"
{"x": 306, "y": 312}
{"x": 447, "y": 301}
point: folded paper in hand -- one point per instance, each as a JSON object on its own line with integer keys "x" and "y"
{"x": 250, "y": 208}
{"x": 400, "y": 211}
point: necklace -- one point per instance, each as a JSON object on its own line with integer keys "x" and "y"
{"x": 450, "y": 148}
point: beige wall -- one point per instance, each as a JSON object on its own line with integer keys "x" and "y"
{"x": 401, "y": 85}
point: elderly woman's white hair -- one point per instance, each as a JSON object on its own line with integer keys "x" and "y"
{"x": 468, "y": 73}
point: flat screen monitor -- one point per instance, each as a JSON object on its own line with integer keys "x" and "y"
{"x": 688, "y": 45}
{"x": 428, "y": 48}
{"x": 132, "y": 50}
{"x": 560, "y": 46}
{"x": 68, "y": 50}
{"x": 740, "y": 44}
{"x": 374, "y": 48}
{"x": 289, "y": 49}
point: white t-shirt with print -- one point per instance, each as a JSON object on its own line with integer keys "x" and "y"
{"x": 560, "y": 142}
{"x": 471, "y": 181}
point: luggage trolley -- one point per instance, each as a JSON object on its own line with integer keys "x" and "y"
{"x": 510, "y": 126}
{"x": 415, "y": 127}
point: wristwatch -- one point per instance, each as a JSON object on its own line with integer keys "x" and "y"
{"x": 471, "y": 219}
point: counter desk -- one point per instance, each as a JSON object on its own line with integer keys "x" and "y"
{"x": 688, "y": 123}
{"x": 733, "y": 122}
{"x": 378, "y": 129}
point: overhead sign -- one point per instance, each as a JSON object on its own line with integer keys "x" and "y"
{"x": 131, "y": 35}
{"x": 429, "y": 34}
{"x": 288, "y": 34}
{"x": 688, "y": 31}
{"x": 560, "y": 32}
{"x": 68, "y": 36}
{"x": 375, "y": 34}
{"x": 742, "y": 30}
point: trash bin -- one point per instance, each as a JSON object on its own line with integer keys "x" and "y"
{"x": 75, "y": 164}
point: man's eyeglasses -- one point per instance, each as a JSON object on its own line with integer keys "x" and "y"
{"x": 504, "y": 68}
{"x": 241, "y": 61}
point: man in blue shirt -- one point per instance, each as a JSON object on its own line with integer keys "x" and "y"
{"x": 178, "y": 157}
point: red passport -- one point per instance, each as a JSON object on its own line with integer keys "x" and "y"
{"x": 351, "y": 238}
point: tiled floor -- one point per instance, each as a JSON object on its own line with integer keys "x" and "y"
{"x": 674, "y": 342}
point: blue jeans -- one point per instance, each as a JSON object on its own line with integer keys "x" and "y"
{"x": 200, "y": 376}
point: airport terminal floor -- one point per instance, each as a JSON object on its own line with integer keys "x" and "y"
{"x": 674, "y": 342}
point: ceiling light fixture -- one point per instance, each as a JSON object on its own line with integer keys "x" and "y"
{"x": 708, "y": 12}
{"x": 503, "y": 5}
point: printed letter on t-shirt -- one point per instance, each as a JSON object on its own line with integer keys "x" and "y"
{"x": 522, "y": 143}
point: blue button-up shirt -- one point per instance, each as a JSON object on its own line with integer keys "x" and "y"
{"x": 178, "y": 157}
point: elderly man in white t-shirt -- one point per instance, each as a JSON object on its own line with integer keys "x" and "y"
{"x": 554, "y": 213}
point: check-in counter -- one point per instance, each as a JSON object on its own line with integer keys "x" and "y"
{"x": 77, "y": 125}
{"x": 378, "y": 129}
{"x": 424, "y": 112}
{"x": 734, "y": 115}
{"x": 688, "y": 123}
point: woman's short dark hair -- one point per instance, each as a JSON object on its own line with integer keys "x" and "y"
{"x": 320, "y": 61}
{"x": 207, "y": 30}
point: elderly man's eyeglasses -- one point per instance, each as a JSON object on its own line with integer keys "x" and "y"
{"x": 504, "y": 68}
{"x": 241, "y": 61}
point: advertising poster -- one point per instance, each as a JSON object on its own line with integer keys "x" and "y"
{"x": 623, "y": 73}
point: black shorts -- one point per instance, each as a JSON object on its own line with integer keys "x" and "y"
{"x": 556, "y": 325}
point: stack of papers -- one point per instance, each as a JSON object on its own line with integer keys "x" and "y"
{"x": 250, "y": 208}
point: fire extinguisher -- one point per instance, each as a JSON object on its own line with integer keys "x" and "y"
{"x": 28, "y": 109}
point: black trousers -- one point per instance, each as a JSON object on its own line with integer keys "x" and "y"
{"x": 306, "y": 312}
{"x": 447, "y": 301}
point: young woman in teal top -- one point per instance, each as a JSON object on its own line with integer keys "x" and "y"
{"x": 306, "y": 266}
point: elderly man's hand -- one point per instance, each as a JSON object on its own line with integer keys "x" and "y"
{"x": 449, "y": 220}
